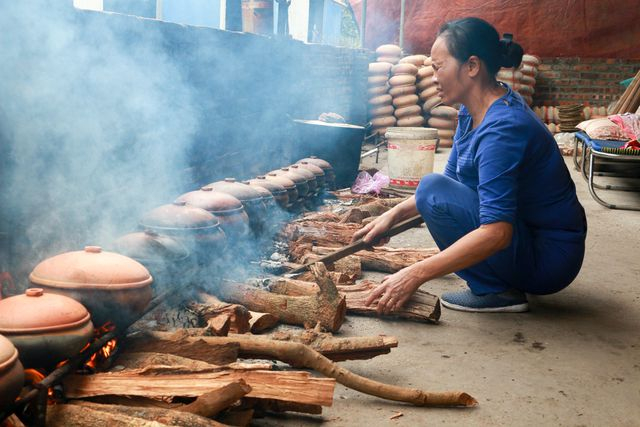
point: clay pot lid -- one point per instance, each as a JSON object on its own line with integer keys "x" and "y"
{"x": 265, "y": 193}
{"x": 316, "y": 161}
{"x": 38, "y": 311}
{"x": 178, "y": 216}
{"x": 213, "y": 201}
{"x": 287, "y": 183}
{"x": 91, "y": 268}
{"x": 317, "y": 170}
{"x": 303, "y": 171}
{"x": 273, "y": 186}
{"x": 150, "y": 246}
{"x": 8, "y": 353}
{"x": 292, "y": 175}
{"x": 242, "y": 192}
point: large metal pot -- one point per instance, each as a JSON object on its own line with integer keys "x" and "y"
{"x": 196, "y": 228}
{"x": 339, "y": 143}
{"x": 329, "y": 173}
{"x": 251, "y": 200}
{"x": 228, "y": 209}
{"x": 278, "y": 191}
{"x": 11, "y": 373}
{"x": 113, "y": 287}
{"x": 46, "y": 328}
{"x": 165, "y": 257}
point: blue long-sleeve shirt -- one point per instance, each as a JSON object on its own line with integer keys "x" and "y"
{"x": 513, "y": 162}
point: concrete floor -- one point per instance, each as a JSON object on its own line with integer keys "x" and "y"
{"x": 573, "y": 360}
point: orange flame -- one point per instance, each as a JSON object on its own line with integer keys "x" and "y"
{"x": 33, "y": 376}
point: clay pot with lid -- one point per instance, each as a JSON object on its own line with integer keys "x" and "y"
{"x": 251, "y": 200}
{"x": 313, "y": 178}
{"x": 316, "y": 170}
{"x": 11, "y": 372}
{"x": 289, "y": 185}
{"x": 227, "y": 208}
{"x": 330, "y": 176}
{"x": 45, "y": 327}
{"x": 111, "y": 286}
{"x": 196, "y": 228}
{"x": 278, "y": 191}
{"x": 302, "y": 183}
{"x": 164, "y": 256}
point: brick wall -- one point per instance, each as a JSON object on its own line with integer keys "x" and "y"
{"x": 588, "y": 81}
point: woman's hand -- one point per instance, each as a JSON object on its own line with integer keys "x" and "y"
{"x": 371, "y": 231}
{"x": 395, "y": 290}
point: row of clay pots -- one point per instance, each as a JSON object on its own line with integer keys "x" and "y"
{"x": 405, "y": 100}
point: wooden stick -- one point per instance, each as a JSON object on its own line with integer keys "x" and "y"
{"x": 297, "y": 354}
{"x": 361, "y": 244}
{"x": 212, "y": 403}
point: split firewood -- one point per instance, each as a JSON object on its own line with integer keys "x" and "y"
{"x": 292, "y": 386}
{"x": 301, "y": 355}
{"x": 222, "y": 355}
{"x": 12, "y": 421}
{"x": 384, "y": 259}
{"x": 349, "y": 265}
{"x": 328, "y": 306}
{"x": 354, "y": 215}
{"x": 260, "y": 322}
{"x": 338, "y": 277}
{"x": 214, "y": 312}
{"x": 320, "y": 233}
{"x": 212, "y": 403}
{"x": 422, "y": 306}
{"x": 320, "y": 217}
{"x": 339, "y": 349}
{"x": 81, "y": 413}
{"x": 294, "y": 287}
{"x": 149, "y": 363}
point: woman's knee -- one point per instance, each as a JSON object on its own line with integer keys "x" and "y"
{"x": 431, "y": 191}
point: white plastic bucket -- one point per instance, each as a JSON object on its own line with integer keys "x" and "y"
{"x": 411, "y": 151}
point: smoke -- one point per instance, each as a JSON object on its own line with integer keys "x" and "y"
{"x": 96, "y": 126}
{"x": 104, "y": 117}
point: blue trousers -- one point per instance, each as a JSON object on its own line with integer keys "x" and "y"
{"x": 532, "y": 264}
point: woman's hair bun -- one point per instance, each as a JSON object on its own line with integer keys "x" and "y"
{"x": 510, "y": 52}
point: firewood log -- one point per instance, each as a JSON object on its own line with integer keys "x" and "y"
{"x": 339, "y": 349}
{"x": 212, "y": 403}
{"x": 292, "y": 386}
{"x": 237, "y": 417}
{"x": 82, "y": 414}
{"x": 211, "y": 308}
{"x": 349, "y": 265}
{"x": 422, "y": 306}
{"x": 328, "y": 306}
{"x": 384, "y": 259}
{"x": 301, "y": 355}
{"x": 320, "y": 233}
{"x": 222, "y": 355}
{"x": 260, "y": 322}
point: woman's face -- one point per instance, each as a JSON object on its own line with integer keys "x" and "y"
{"x": 448, "y": 74}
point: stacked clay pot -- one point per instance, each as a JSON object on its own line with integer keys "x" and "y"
{"x": 445, "y": 120}
{"x": 380, "y": 107}
{"x": 529, "y": 70}
{"x": 403, "y": 91}
{"x": 390, "y": 53}
{"x": 427, "y": 90}
{"x": 522, "y": 80}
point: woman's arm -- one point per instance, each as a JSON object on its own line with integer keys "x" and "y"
{"x": 474, "y": 247}
{"x": 398, "y": 213}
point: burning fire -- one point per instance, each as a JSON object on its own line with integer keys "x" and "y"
{"x": 107, "y": 350}
{"x": 33, "y": 376}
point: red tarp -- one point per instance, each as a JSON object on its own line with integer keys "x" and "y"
{"x": 564, "y": 28}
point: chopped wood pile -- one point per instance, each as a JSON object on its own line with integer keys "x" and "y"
{"x": 194, "y": 377}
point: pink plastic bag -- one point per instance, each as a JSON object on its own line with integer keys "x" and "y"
{"x": 365, "y": 183}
